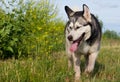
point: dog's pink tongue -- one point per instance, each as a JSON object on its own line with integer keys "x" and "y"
{"x": 73, "y": 47}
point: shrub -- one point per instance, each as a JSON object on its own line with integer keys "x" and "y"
{"x": 31, "y": 28}
{"x": 111, "y": 34}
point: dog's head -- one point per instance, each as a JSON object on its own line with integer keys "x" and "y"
{"x": 78, "y": 28}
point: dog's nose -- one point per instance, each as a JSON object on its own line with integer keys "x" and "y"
{"x": 70, "y": 38}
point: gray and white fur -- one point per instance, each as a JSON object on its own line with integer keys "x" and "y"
{"x": 82, "y": 29}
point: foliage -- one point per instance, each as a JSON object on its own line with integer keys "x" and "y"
{"x": 29, "y": 28}
{"x": 111, "y": 34}
{"x": 53, "y": 68}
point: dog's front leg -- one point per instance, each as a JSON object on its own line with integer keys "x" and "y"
{"x": 76, "y": 62}
{"x": 91, "y": 62}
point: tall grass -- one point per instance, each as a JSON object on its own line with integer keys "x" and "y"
{"x": 53, "y": 67}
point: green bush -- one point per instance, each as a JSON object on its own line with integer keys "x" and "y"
{"x": 31, "y": 28}
{"x": 111, "y": 34}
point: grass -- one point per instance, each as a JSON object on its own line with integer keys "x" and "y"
{"x": 53, "y": 67}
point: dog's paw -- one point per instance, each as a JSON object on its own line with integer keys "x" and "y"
{"x": 78, "y": 80}
{"x": 89, "y": 69}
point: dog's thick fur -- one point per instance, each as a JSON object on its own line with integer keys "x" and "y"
{"x": 83, "y": 36}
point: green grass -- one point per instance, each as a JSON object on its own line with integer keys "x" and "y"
{"x": 53, "y": 67}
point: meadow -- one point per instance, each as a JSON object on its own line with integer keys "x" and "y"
{"x": 32, "y": 46}
{"x": 53, "y": 68}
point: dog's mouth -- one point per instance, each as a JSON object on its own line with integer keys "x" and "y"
{"x": 75, "y": 44}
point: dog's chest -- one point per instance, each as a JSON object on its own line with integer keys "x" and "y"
{"x": 84, "y": 48}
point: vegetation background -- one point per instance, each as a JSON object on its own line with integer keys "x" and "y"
{"x": 32, "y": 46}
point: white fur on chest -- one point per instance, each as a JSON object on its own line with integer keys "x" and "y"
{"x": 83, "y": 48}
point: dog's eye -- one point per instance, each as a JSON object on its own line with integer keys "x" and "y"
{"x": 77, "y": 27}
{"x": 70, "y": 27}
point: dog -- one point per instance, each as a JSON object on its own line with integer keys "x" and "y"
{"x": 83, "y": 36}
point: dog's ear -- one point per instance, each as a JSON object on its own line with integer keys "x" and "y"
{"x": 69, "y": 11}
{"x": 86, "y": 13}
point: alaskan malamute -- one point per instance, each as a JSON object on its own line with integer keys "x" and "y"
{"x": 83, "y": 36}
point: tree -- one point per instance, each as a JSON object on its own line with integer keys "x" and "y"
{"x": 111, "y": 34}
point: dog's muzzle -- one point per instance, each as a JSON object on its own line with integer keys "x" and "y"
{"x": 70, "y": 38}
{"x": 75, "y": 43}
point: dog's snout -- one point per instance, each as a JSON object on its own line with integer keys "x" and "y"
{"x": 70, "y": 38}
